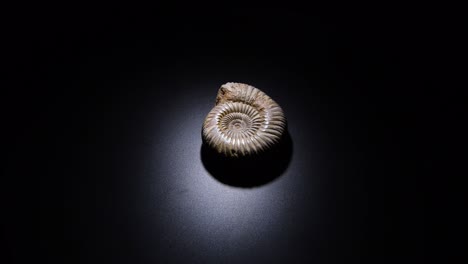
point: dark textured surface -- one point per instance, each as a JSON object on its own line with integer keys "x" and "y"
{"x": 104, "y": 148}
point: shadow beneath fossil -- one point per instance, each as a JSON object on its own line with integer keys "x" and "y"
{"x": 252, "y": 171}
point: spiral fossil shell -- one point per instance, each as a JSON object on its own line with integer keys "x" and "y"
{"x": 244, "y": 121}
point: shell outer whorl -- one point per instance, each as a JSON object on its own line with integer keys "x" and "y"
{"x": 244, "y": 122}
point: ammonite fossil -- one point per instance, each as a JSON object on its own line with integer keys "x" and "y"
{"x": 244, "y": 122}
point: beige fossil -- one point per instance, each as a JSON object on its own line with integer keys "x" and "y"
{"x": 244, "y": 121}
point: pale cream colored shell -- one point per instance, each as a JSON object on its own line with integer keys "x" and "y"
{"x": 245, "y": 121}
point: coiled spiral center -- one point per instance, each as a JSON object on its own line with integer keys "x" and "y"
{"x": 236, "y": 122}
{"x": 239, "y": 120}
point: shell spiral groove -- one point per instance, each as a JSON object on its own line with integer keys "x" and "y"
{"x": 244, "y": 121}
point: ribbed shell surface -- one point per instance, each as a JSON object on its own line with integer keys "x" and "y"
{"x": 245, "y": 121}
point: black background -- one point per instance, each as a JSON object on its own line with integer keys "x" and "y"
{"x": 103, "y": 137}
